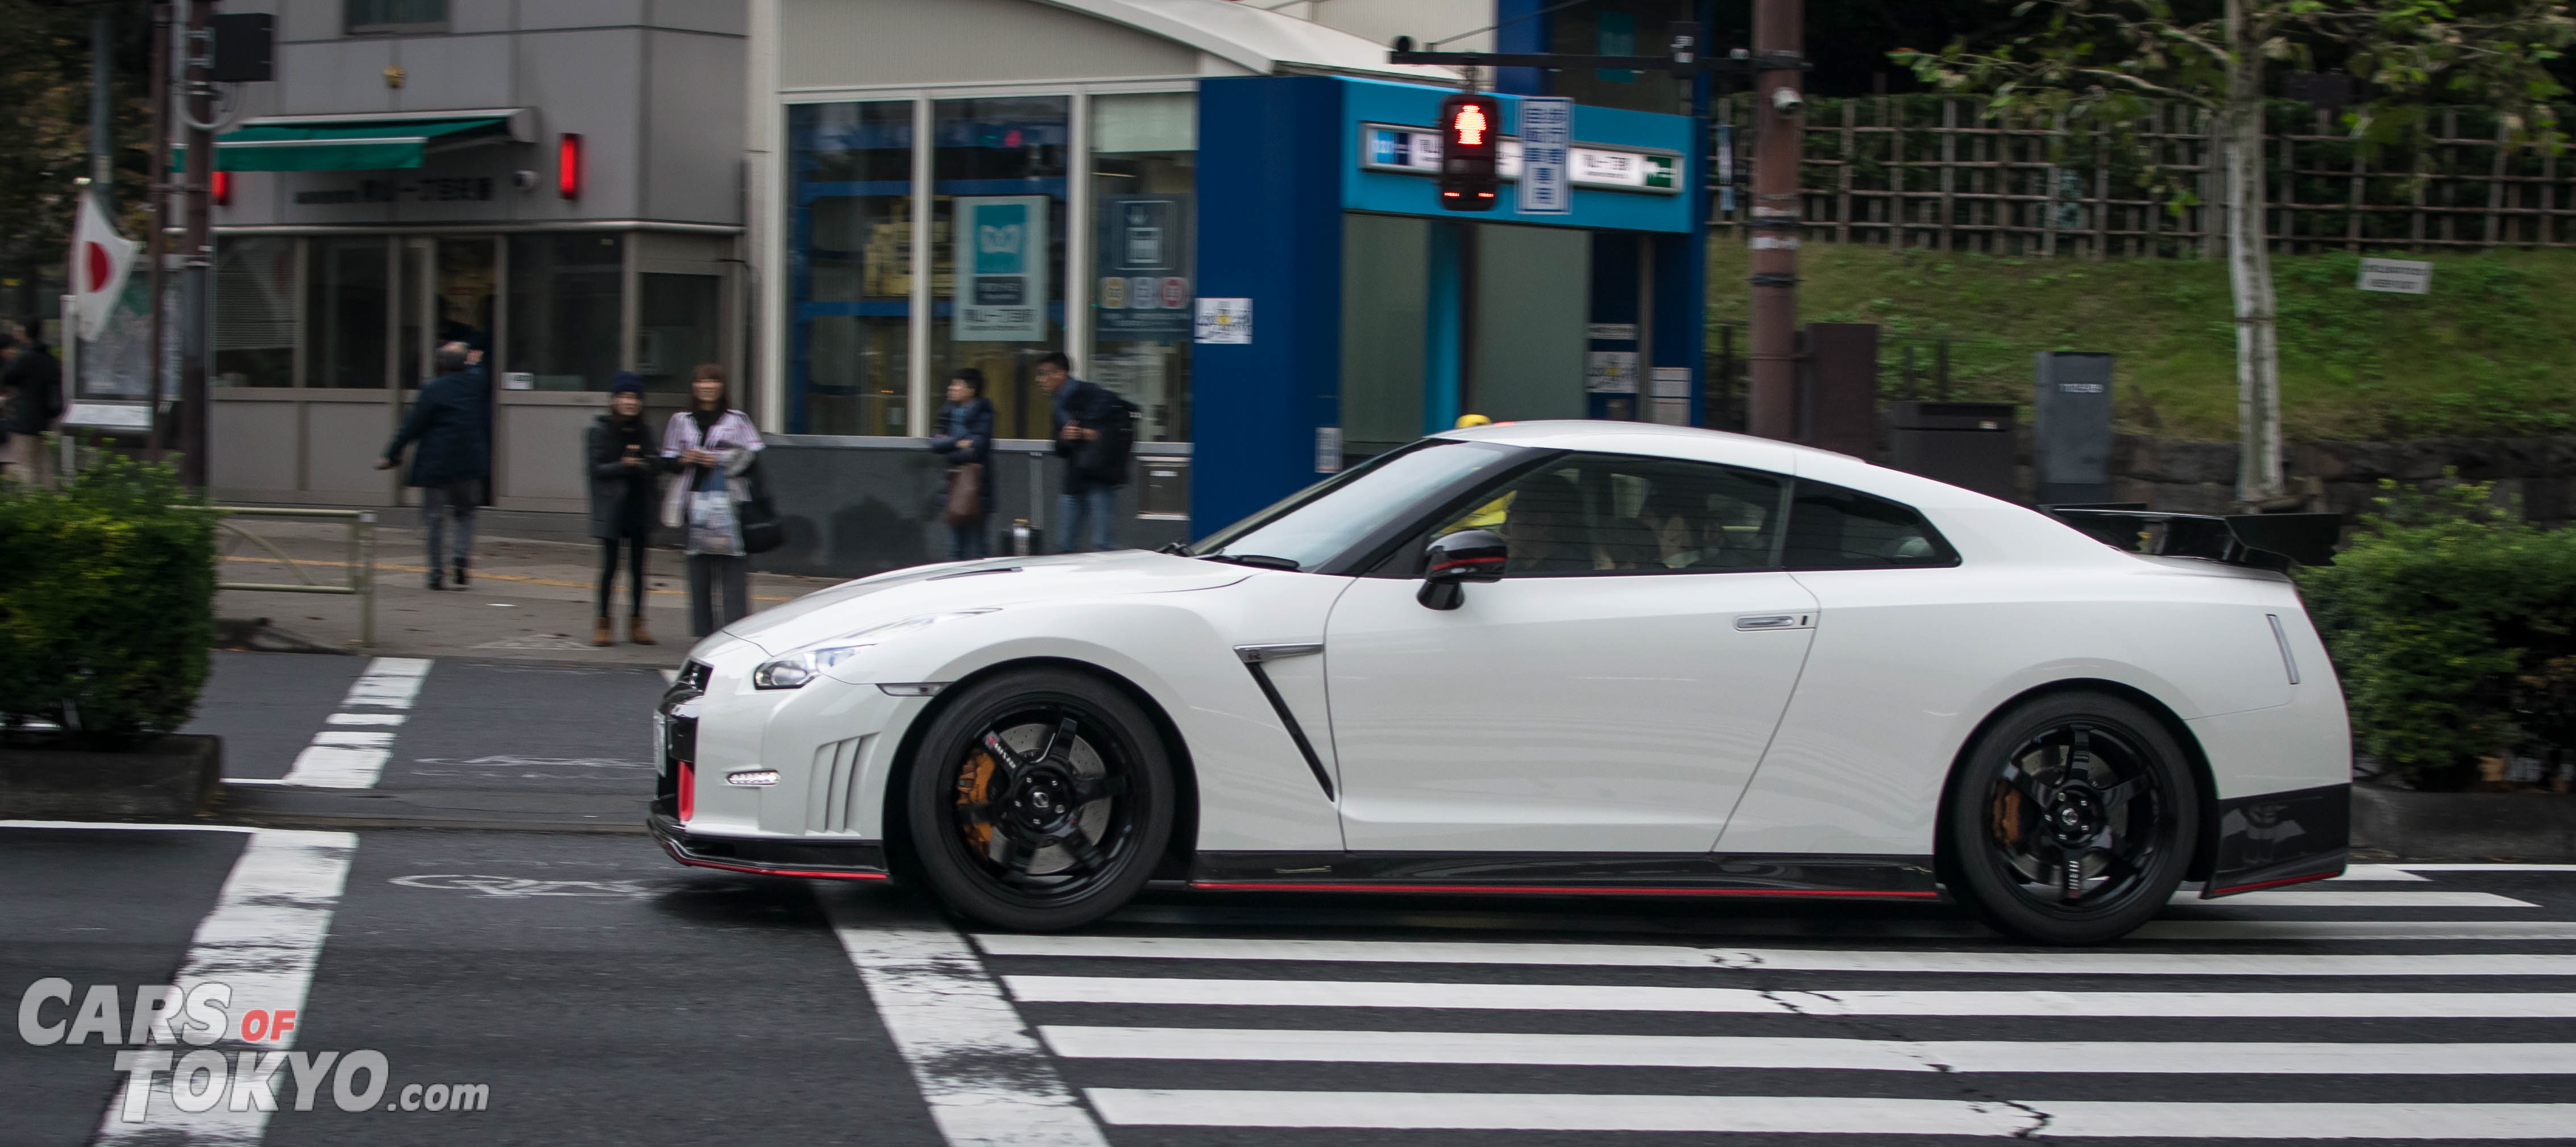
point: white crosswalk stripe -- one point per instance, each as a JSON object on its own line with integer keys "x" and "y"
{"x": 1644, "y": 998}
{"x": 2403, "y": 1020}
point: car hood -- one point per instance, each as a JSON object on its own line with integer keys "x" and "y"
{"x": 993, "y": 582}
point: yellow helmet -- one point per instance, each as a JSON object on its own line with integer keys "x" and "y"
{"x": 1467, "y": 420}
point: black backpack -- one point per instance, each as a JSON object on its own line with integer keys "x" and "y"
{"x": 1104, "y": 459}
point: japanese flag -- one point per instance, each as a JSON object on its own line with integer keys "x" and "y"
{"x": 100, "y": 260}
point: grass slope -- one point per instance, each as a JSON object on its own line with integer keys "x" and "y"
{"x": 2492, "y": 351}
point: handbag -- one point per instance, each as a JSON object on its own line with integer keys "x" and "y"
{"x": 761, "y": 529}
{"x": 965, "y": 494}
{"x": 713, "y": 527}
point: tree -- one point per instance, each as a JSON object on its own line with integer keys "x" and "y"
{"x": 2099, "y": 65}
{"x": 44, "y": 83}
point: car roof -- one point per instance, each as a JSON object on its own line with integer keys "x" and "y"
{"x": 1980, "y": 526}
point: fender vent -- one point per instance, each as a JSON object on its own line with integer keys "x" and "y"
{"x": 832, "y": 786}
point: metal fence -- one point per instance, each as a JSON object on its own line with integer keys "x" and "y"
{"x": 1942, "y": 173}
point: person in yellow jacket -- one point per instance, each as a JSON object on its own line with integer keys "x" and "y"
{"x": 1490, "y": 515}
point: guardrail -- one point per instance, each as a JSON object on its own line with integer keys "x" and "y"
{"x": 361, "y": 565}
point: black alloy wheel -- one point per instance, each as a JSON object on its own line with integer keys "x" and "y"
{"x": 2071, "y": 821}
{"x": 1040, "y": 800}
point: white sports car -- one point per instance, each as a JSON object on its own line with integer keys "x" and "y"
{"x": 1560, "y": 658}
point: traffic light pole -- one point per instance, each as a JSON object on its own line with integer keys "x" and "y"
{"x": 1771, "y": 407}
{"x": 197, "y": 245}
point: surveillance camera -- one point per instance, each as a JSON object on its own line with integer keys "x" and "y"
{"x": 1786, "y": 101}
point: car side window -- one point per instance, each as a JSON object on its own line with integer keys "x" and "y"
{"x": 1621, "y": 514}
{"x": 1832, "y": 528}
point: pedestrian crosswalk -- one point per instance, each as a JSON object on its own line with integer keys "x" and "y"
{"x": 2402, "y": 1018}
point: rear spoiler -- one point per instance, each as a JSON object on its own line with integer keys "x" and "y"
{"x": 2261, "y": 541}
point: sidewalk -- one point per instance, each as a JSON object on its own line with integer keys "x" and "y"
{"x": 528, "y": 599}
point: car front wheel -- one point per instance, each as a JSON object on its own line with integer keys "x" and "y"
{"x": 2071, "y": 820}
{"x": 1040, "y": 800}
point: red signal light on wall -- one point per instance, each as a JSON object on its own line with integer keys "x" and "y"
{"x": 222, "y": 188}
{"x": 568, "y": 165}
{"x": 1471, "y": 146}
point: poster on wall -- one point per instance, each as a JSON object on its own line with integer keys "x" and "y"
{"x": 1001, "y": 258}
{"x": 1144, "y": 289}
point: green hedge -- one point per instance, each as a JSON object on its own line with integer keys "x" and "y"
{"x": 2453, "y": 624}
{"x": 106, "y": 601}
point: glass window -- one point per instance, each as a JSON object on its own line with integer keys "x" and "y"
{"x": 1617, "y": 513}
{"x": 345, "y": 307}
{"x": 1321, "y": 522}
{"x": 678, "y": 321}
{"x": 1144, "y": 154}
{"x": 368, "y": 17}
{"x": 997, "y": 228}
{"x": 849, "y": 266}
{"x": 255, "y": 312}
{"x": 1831, "y": 528}
{"x": 566, "y": 298}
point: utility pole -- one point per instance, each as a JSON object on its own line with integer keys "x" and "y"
{"x": 156, "y": 239}
{"x": 1779, "y": 119}
{"x": 102, "y": 146}
{"x": 197, "y": 247}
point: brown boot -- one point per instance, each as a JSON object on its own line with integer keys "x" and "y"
{"x": 600, "y": 634}
{"x": 636, "y": 632}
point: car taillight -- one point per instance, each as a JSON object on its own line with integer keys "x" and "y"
{"x": 688, "y": 790}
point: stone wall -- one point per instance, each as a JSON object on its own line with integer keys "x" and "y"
{"x": 2200, "y": 477}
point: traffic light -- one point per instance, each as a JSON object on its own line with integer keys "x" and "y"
{"x": 1471, "y": 144}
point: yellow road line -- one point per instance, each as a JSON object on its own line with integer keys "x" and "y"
{"x": 479, "y": 575}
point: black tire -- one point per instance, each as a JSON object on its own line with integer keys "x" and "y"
{"x": 2082, "y": 775}
{"x": 1040, "y": 800}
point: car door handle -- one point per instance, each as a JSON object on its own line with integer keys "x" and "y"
{"x": 1776, "y": 621}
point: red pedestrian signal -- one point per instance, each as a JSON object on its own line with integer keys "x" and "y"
{"x": 1471, "y": 148}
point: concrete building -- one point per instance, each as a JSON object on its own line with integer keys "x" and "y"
{"x": 850, "y": 199}
{"x": 559, "y": 181}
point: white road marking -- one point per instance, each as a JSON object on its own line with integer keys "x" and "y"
{"x": 1781, "y": 959}
{"x": 1639, "y": 998}
{"x": 2341, "y": 898}
{"x": 262, "y": 938}
{"x": 2375, "y": 872}
{"x": 2486, "y": 867}
{"x": 2355, "y": 930}
{"x": 389, "y": 683}
{"x": 1754, "y": 1114}
{"x": 1522, "y": 1049}
{"x": 985, "y": 1079}
{"x": 670, "y": 676}
{"x": 354, "y": 759}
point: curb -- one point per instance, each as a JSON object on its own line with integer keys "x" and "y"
{"x": 2537, "y": 827}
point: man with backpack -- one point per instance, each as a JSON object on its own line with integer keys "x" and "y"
{"x": 1095, "y": 432}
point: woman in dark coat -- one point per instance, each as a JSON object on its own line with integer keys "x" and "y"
{"x": 623, "y": 461}
{"x": 965, "y": 435}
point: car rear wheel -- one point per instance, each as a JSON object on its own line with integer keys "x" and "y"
{"x": 2071, "y": 820}
{"x": 1040, "y": 800}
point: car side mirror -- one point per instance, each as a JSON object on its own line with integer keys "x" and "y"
{"x": 1453, "y": 560}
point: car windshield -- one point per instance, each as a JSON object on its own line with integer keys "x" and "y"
{"x": 1313, "y": 525}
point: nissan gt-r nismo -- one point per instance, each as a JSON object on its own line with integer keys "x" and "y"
{"x": 1564, "y": 658}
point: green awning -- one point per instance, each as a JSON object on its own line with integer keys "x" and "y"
{"x": 344, "y": 144}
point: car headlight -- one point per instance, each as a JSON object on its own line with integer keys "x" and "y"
{"x": 795, "y": 669}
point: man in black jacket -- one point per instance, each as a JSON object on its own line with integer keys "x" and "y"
{"x": 1094, "y": 430}
{"x": 32, "y": 381}
{"x": 452, "y": 422}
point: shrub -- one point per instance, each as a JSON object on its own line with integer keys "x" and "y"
{"x": 106, "y": 601}
{"x": 2453, "y": 624}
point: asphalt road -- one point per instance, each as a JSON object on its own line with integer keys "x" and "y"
{"x": 582, "y": 989}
